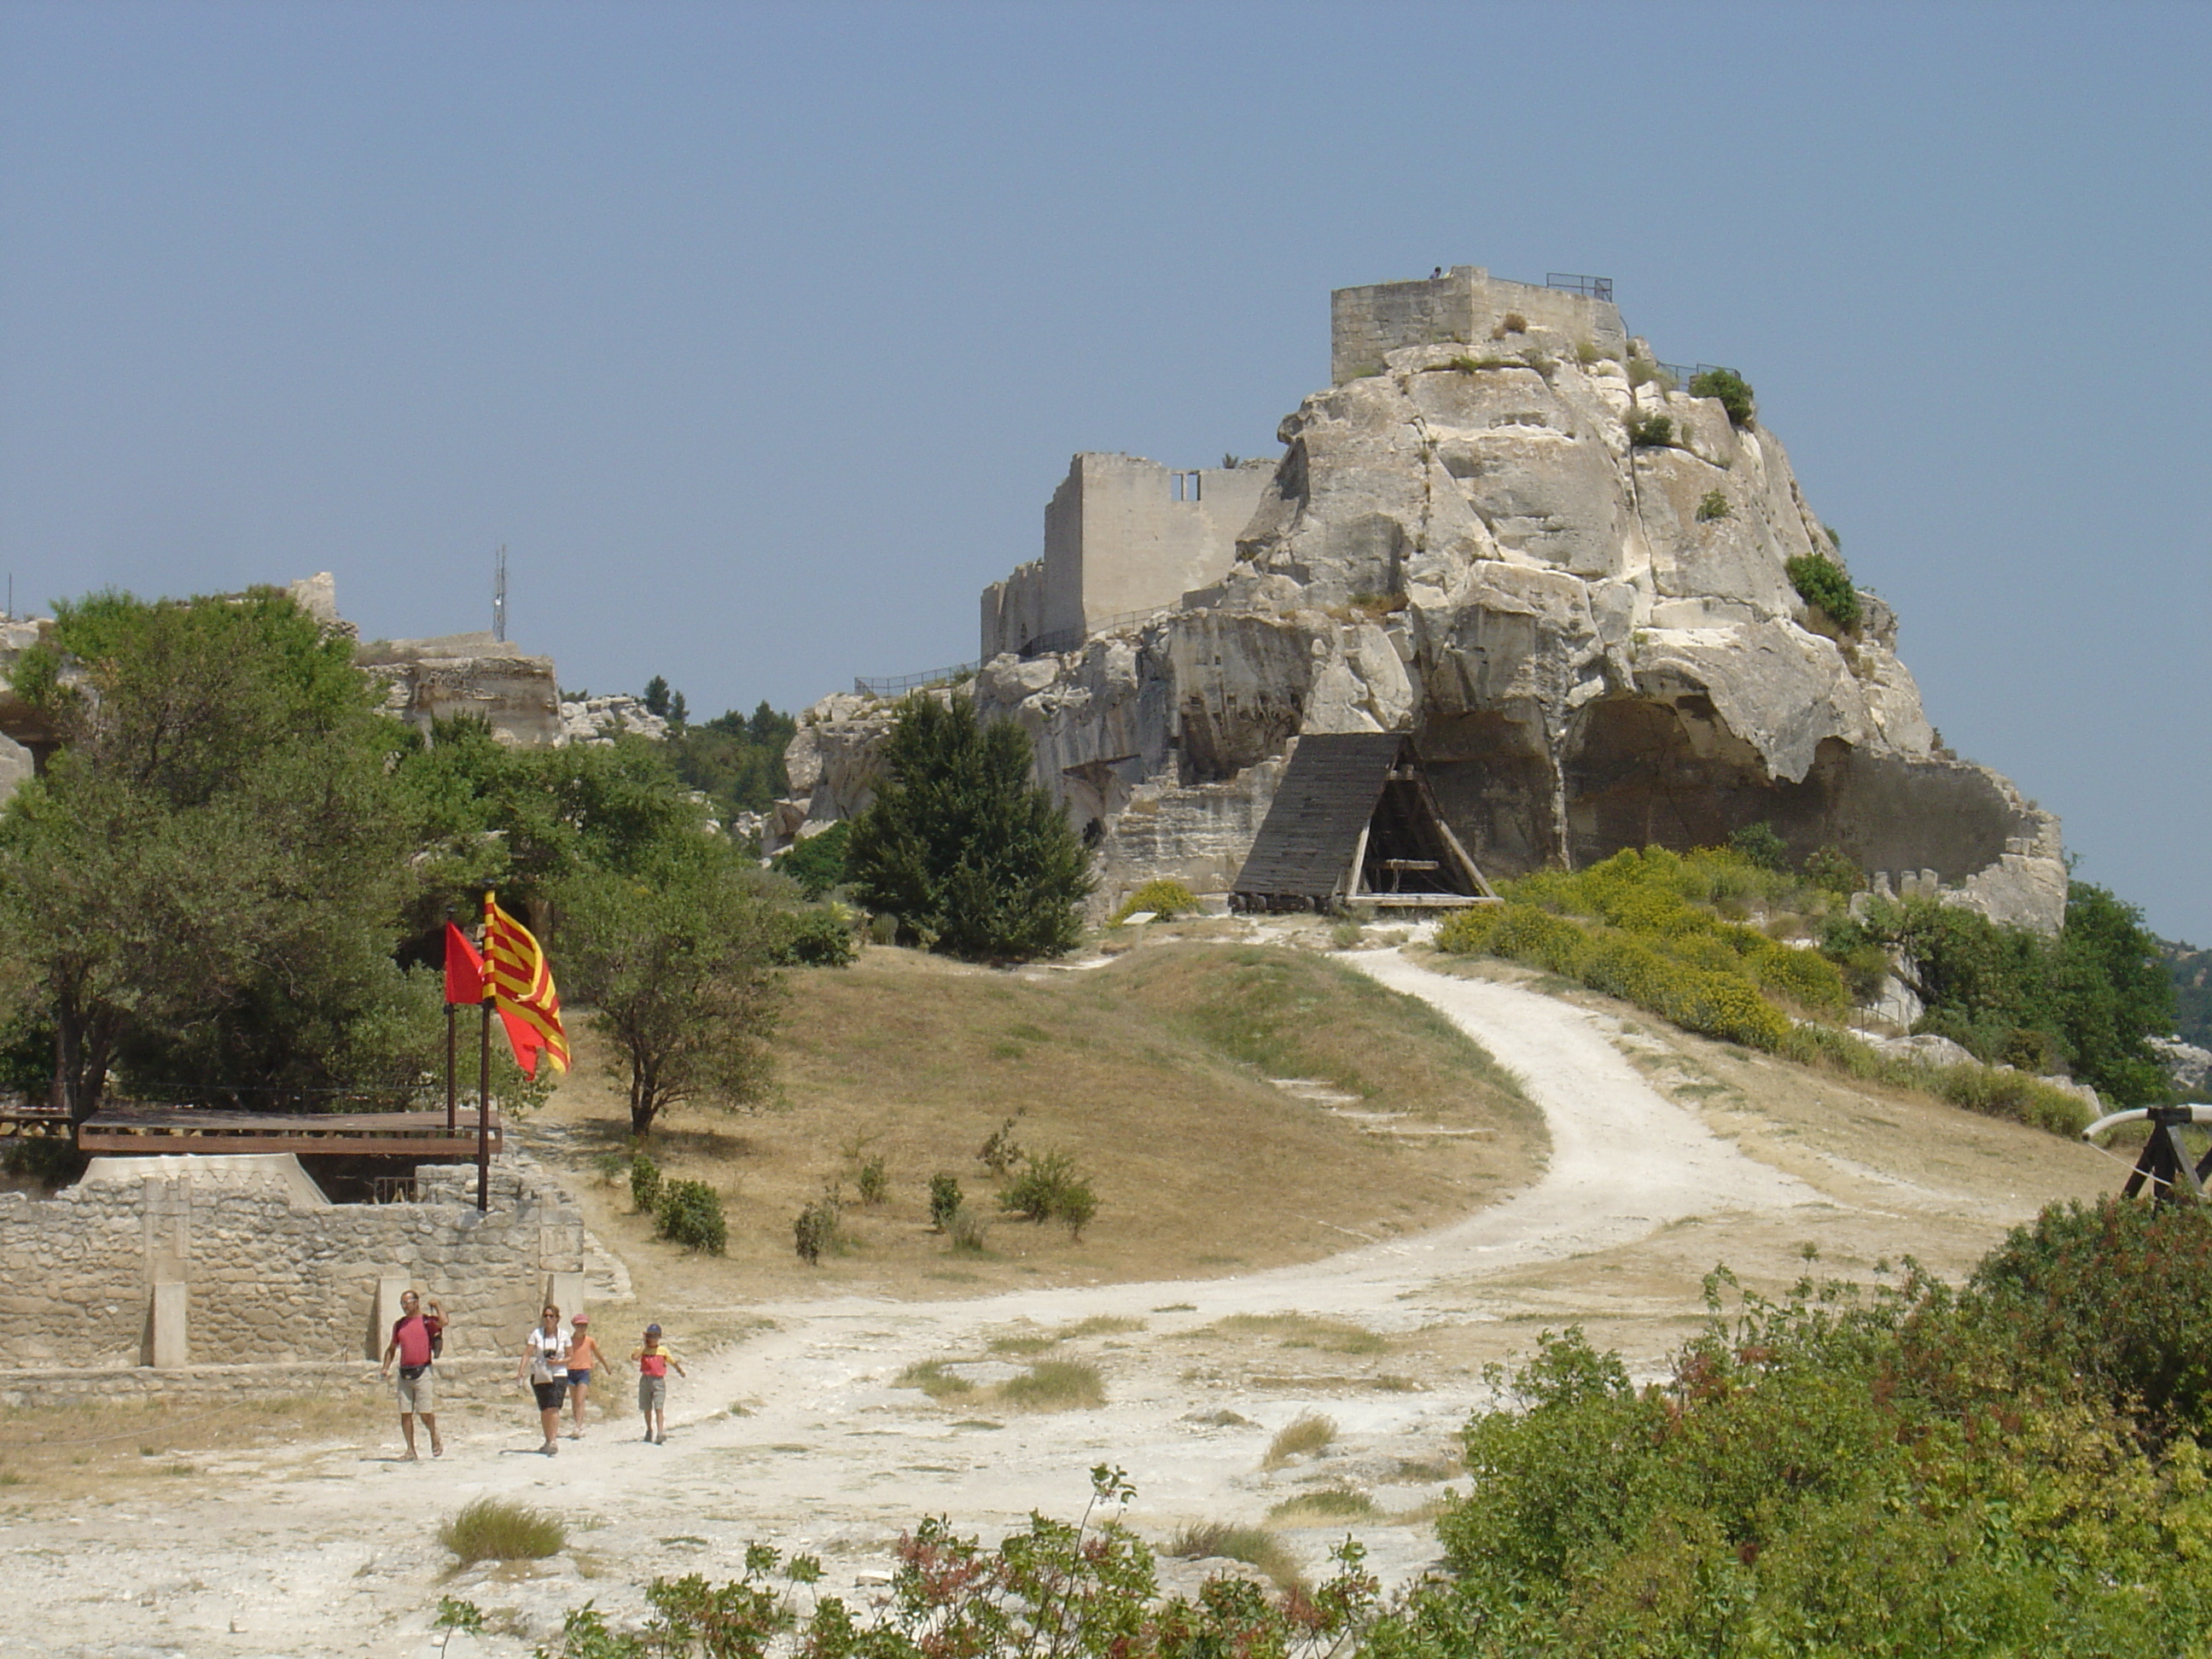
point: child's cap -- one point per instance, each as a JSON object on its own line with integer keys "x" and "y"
{"x": 652, "y": 1330}
{"x": 581, "y": 1319}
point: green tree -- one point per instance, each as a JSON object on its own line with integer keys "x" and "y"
{"x": 675, "y": 963}
{"x": 656, "y": 696}
{"x": 961, "y": 846}
{"x": 207, "y": 883}
{"x": 818, "y": 863}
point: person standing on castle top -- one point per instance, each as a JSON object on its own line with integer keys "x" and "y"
{"x": 416, "y": 1339}
{"x": 653, "y": 1361}
{"x": 583, "y": 1360}
{"x": 545, "y": 1363}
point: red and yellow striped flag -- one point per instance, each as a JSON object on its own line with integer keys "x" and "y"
{"x": 520, "y": 986}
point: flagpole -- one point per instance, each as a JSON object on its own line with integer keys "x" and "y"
{"x": 484, "y": 1110}
{"x": 453, "y": 1104}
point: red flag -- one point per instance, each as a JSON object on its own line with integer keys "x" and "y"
{"x": 464, "y": 968}
{"x": 521, "y": 986}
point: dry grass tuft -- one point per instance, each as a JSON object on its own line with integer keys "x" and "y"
{"x": 1324, "y": 1504}
{"x": 1300, "y": 1438}
{"x": 1225, "y": 1540}
{"x": 1297, "y": 1330}
{"x": 933, "y": 1380}
{"x": 499, "y": 1530}
{"x": 1054, "y": 1385}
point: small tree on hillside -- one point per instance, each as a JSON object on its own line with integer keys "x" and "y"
{"x": 961, "y": 846}
{"x": 676, "y": 965}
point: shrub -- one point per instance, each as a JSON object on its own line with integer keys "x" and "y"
{"x": 1713, "y": 505}
{"x": 1833, "y": 870}
{"x": 1345, "y": 935}
{"x": 2054, "y": 1289}
{"x": 873, "y": 1182}
{"x": 1589, "y": 354}
{"x": 1651, "y": 431}
{"x": 53, "y": 1161}
{"x": 690, "y": 1213}
{"x": 644, "y": 1184}
{"x": 1758, "y": 843}
{"x": 1511, "y": 323}
{"x": 815, "y": 1230}
{"x": 1642, "y": 371}
{"x": 1049, "y": 1189}
{"x": 817, "y": 863}
{"x": 1162, "y": 898}
{"x": 1304, "y": 1435}
{"x": 499, "y": 1530}
{"x": 969, "y": 1234}
{"x": 944, "y": 1200}
{"x": 1820, "y": 581}
{"x": 820, "y": 936}
{"x": 1731, "y": 387}
{"x": 1001, "y": 1152}
{"x": 1541, "y": 362}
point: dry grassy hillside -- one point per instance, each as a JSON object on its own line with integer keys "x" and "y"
{"x": 1153, "y": 1072}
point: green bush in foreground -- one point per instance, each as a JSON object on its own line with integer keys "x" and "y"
{"x": 1927, "y": 1473}
{"x": 1054, "y": 1591}
{"x": 499, "y": 1530}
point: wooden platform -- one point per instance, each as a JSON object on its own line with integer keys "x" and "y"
{"x": 23, "y": 1117}
{"x": 198, "y": 1129}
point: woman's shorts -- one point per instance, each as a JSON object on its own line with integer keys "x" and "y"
{"x": 652, "y": 1393}
{"x": 550, "y": 1395}
{"x": 579, "y": 1379}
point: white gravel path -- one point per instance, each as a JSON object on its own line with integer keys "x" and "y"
{"x": 335, "y": 1558}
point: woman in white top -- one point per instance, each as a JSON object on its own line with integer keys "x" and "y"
{"x": 545, "y": 1363}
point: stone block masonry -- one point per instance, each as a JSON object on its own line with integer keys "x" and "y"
{"x": 186, "y": 1268}
{"x": 1463, "y": 306}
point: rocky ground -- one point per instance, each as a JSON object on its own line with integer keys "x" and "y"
{"x": 1668, "y": 1155}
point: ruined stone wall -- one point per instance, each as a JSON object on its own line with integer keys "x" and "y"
{"x": 1466, "y": 305}
{"x": 1122, "y": 535}
{"x": 269, "y": 1275}
{"x": 468, "y": 674}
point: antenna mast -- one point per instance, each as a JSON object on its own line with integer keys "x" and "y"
{"x": 499, "y": 596}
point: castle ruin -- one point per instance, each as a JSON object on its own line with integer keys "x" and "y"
{"x": 1505, "y": 530}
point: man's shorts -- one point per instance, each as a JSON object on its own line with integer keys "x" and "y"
{"x": 420, "y": 1395}
{"x": 652, "y": 1394}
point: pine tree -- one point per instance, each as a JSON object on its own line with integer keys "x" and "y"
{"x": 971, "y": 856}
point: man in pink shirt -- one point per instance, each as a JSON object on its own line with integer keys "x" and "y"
{"x": 415, "y": 1339}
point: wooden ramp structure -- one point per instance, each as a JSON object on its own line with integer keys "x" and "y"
{"x": 201, "y": 1129}
{"x": 1354, "y": 821}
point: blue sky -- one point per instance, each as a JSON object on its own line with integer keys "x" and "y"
{"x": 761, "y": 335}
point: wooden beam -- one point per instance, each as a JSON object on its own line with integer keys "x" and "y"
{"x": 1358, "y": 860}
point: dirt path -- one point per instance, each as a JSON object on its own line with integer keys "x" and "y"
{"x": 334, "y": 1555}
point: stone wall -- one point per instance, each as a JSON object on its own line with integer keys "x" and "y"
{"x": 1466, "y": 305}
{"x": 1122, "y": 535}
{"x": 182, "y": 1266}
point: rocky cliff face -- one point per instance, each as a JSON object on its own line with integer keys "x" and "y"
{"x": 1595, "y": 641}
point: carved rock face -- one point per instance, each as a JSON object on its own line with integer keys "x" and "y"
{"x": 1596, "y": 642}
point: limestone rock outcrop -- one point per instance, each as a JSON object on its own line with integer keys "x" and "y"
{"x": 514, "y": 692}
{"x": 1570, "y": 583}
